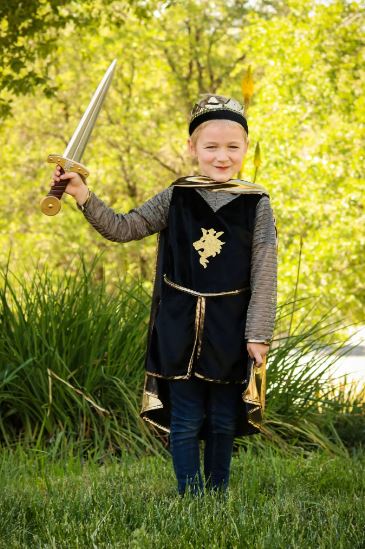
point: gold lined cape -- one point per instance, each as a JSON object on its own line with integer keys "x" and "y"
{"x": 236, "y": 186}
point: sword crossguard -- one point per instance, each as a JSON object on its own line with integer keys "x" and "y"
{"x": 68, "y": 164}
{"x": 51, "y": 204}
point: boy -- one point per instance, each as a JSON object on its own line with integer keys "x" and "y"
{"x": 215, "y": 286}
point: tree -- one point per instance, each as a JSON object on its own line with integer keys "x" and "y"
{"x": 307, "y": 113}
{"x": 31, "y": 31}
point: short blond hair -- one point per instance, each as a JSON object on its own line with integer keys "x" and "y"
{"x": 194, "y": 136}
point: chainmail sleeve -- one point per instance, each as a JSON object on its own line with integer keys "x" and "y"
{"x": 150, "y": 217}
{"x": 262, "y": 307}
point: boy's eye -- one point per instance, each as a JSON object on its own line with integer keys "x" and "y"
{"x": 214, "y": 147}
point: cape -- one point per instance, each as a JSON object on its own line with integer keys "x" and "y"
{"x": 155, "y": 401}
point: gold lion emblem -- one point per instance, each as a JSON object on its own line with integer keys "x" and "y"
{"x": 208, "y": 246}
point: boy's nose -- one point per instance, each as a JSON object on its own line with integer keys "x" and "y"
{"x": 222, "y": 155}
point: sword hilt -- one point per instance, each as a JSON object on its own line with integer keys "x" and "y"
{"x": 51, "y": 204}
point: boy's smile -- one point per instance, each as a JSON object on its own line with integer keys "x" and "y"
{"x": 220, "y": 149}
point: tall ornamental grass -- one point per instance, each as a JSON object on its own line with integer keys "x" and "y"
{"x": 306, "y": 405}
{"x": 71, "y": 362}
{"x": 71, "y": 370}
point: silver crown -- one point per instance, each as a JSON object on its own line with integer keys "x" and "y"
{"x": 216, "y": 103}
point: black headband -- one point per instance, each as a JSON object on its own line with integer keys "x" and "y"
{"x": 219, "y": 114}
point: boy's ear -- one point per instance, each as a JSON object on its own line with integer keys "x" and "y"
{"x": 191, "y": 147}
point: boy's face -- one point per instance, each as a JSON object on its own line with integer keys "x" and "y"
{"x": 219, "y": 149}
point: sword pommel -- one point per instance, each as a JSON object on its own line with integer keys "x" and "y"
{"x": 50, "y": 205}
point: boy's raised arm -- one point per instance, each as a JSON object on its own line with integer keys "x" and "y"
{"x": 150, "y": 217}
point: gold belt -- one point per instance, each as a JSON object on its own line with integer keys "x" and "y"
{"x": 199, "y": 313}
{"x": 202, "y": 294}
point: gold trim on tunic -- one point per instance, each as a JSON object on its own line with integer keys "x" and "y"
{"x": 197, "y": 325}
{"x": 255, "y": 394}
{"x": 200, "y": 309}
{"x": 150, "y": 402}
{"x": 200, "y": 376}
{"x": 198, "y": 317}
{"x": 201, "y": 325}
{"x": 203, "y": 294}
{"x": 155, "y": 424}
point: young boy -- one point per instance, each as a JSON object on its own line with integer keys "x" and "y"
{"x": 214, "y": 297}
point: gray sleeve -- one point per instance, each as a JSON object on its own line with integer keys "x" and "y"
{"x": 151, "y": 217}
{"x": 262, "y": 307}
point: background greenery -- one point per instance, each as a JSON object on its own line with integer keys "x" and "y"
{"x": 307, "y": 112}
{"x": 72, "y": 331}
{"x": 72, "y": 372}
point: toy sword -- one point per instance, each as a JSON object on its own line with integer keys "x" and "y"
{"x": 70, "y": 160}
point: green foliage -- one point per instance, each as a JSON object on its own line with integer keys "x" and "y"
{"x": 306, "y": 405}
{"x": 30, "y": 33}
{"x": 71, "y": 370}
{"x": 307, "y": 113}
{"x": 307, "y": 118}
{"x": 71, "y": 360}
{"x": 274, "y": 501}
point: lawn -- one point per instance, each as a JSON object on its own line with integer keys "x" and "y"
{"x": 274, "y": 501}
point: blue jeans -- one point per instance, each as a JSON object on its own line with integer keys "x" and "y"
{"x": 194, "y": 402}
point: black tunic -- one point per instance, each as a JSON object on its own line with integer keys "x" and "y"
{"x": 222, "y": 354}
{"x": 203, "y": 292}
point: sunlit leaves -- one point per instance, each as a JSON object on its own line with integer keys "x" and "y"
{"x": 247, "y": 87}
{"x": 307, "y": 113}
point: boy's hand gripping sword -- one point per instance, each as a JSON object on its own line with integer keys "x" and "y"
{"x": 70, "y": 160}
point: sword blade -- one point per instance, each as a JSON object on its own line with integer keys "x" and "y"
{"x": 76, "y": 146}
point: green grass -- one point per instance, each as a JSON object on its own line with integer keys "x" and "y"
{"x": 275, "y": 501}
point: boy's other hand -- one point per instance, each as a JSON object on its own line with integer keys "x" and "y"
{"x": 258, "y": 351}
{"x": 75, "y": 187}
